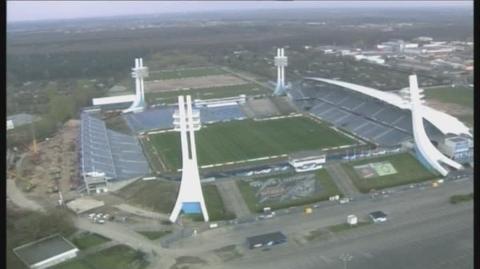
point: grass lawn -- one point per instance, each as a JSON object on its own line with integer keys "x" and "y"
{"x": 87, "y": 240}
{"x": 409, "y": 170}
{"x": 155, "y": 195}
{"x": 153, "y": 235}
{"x": 247, "y": 139}
{"x": 215, "y": 207}
{"x": 329, "y": 188}
{"x": 460, "y": 198}
{"x": 456, "y": 95}
{"x": 170, "y": 97}
{"x": 185, "y": 73}
{"x": 118, "y": 257}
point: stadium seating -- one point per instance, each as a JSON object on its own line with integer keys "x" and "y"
{"x": 117, "y": 155}
{"x": 371, "y": 119}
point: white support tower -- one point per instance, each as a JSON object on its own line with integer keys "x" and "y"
{"x": 138, "y": 73}
{"x": 281, "y": 61}
{"x": 190, "y": 197}
{"x": 425, "y": 150}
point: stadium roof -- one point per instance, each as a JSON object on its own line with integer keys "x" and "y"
{"x": 45, "y": 248}
{"x": 444, "y": 122}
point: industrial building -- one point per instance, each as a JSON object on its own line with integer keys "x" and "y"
{"x": 458, "y": 148}
{"x": 46, "y": 252}
{"x": 309, "y": 163}
{"x": 268, "y": 239}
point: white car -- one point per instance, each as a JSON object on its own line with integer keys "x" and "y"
{"x": 344, "y": 200}
{"x": 378, "y": 216}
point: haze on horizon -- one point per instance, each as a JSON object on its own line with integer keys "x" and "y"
{"x": 18, "y": 11}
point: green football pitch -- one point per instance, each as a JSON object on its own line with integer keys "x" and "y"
{"x": 248, "y": 139}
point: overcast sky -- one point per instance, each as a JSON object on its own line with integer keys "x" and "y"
{"x": 42, "y": 10}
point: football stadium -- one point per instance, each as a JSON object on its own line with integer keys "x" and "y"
{"x": 278, "y": 144}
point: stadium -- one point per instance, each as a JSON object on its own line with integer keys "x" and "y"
{"x": 294, "y": 130}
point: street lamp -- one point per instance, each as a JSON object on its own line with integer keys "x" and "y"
{"x": 345, "y": 257}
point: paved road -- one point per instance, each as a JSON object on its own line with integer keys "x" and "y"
{"x": 123, "y": 235}
{"x": 342, "y": 179}
{"x": 298, "y": 222}
{"x": 428, "y": 209}
{"x": 442, "y": 240}
{"x": 19, "y": 198}
{"x": 141, "y": 212}
{"x": 233, "y": 198}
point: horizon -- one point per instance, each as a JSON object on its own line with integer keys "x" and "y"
{"x": 42, "y": 11}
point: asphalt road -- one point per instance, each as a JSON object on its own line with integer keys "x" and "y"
{"x": 396, "y": 206}
{"x": 423, "y": 231}
{"x": 442, "y": 240}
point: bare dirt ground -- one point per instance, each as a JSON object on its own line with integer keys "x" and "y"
{"x": 260, "y": 108}
{"x": 53, "y": 168}
{"x": 192, "y": 83}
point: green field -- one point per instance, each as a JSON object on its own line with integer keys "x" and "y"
{"x": 155, "y": 195}
{"x": 184, "y": 73}
{"x": 246, "y": 139}
{"x": 409, "y": 170}
{"x": 160, "y": 196}
{"x": 216, "y": 209}
{"x": 455, "y": 95}
{"x": 329, "y": 188}
{"x": 459, "y": 95}
{"x": 118, "y": 257}
{"x": 86, "y": 240}
{"x": 461, "y": 198}
{"x": 206, "y": 93}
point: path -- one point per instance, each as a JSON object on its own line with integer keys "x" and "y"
{"x": 232, "y": 198}
{"x": 141, "y": 212}
{"x": 19, "y": 198}
{"x": 341, "y": 178}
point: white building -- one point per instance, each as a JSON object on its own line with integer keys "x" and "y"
{"x": 376, "y": 59}
{"x": 457, "y": 147}
{"x": 305, "y": 164}
{"x": 10, "y": 125}
{"x": 219, "y": 102}
{"x": 46, "y": 252}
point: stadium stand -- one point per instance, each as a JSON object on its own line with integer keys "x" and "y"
{"x": 361, "y": 115}
{"x": 117, "y": 155}
{"x": 223, "y": 113}
{"x": 162, "y": 118}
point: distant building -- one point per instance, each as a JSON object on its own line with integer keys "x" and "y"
{"x": 376, "y": 59}
{"x": 46, "y": 252}
{"x": 269, "y": 239}
{"x": 19, "y": 120}
{"x": 423, "y": 39}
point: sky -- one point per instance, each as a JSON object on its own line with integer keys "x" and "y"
{"x": 47, "y": 10}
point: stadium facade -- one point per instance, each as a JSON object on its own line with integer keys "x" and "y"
{"x": 383, "y": 118}
{"x": 424, "y": 148}
{"x": 281, "y": 61}
{"x": 190, "y": 197}
{"x": 138, "y": 73}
